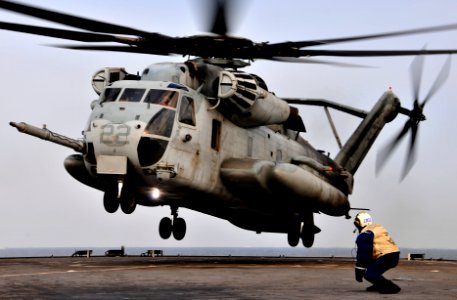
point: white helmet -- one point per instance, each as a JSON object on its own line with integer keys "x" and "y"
{"x": 362, "y": 219}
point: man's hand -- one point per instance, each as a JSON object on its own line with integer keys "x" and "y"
{"x": 359, "y": 272}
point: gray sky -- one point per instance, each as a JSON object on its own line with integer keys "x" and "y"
{"x": 41, "y": 205}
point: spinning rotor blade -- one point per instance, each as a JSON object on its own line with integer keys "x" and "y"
{"x": 66, "y": 34}
{"x": 219, "y": 45}
{"x": 415, "y": 116}
{"x": 219, "y": 23}
{"x": 303, "y": 44}
{"x": 372, "y": 53}
{"x": 123, "y": 49}
{"x": 444, "y": 74}
{"x": 70, "y": 20}
{"x": 315, "y": 61}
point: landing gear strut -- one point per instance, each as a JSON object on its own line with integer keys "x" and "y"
{"x": 177, "y": 227}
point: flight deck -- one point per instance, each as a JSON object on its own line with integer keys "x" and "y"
{"x": 195, "y": 277}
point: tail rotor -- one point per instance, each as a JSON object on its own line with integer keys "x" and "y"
{"x": 415, "y": 116}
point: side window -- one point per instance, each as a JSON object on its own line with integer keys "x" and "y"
{"x": 187, "y": 111}
{"x": 216, "y": 135}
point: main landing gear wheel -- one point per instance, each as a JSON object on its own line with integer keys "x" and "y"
{"x": 110, "y": 201}
{"x": 293, "y": 236}
{"x": 177, "y": 227}
{"x": 165, "y": 228}
{"x": 307, "y": 237}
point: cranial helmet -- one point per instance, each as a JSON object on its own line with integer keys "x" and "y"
{"x": 362, "y": 219}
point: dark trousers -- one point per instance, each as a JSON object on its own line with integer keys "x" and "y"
{"x": 375, "y": 270}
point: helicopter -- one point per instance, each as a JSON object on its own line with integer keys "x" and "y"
{"x": 207, "y": 136}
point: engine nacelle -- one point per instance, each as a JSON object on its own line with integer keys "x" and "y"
{"x": 247, "y": 104}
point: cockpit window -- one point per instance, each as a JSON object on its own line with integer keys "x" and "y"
{"x": 110, "y": 95}
{"x": 186, "y": 111}
{"x": 162, "y": 97}
{"x": 162, "y": 123}
{"x": 132, "y": 95}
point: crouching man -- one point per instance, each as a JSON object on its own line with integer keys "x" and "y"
{"x": 376, "y": 253}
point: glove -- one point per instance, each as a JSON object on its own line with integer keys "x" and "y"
{"x": 359, "y": 272}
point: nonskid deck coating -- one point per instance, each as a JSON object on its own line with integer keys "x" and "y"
{"x": 214, "y": 278}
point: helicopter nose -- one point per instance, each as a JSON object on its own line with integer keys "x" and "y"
{"x": 116, "y": 144}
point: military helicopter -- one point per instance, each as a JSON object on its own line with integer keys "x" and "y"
{"x": 207, "y": 136}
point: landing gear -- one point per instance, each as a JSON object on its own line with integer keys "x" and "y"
{"x": 309, "y": 231}
{"x": 303, "y": 230}
{"x": 112, "y": 200}
{"x": 177, "y": 227}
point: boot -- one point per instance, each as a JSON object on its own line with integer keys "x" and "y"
{"x": 388, "y": 287}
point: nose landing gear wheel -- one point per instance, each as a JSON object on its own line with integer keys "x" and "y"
{"x": 128, "y": 203}
{"x": 110, "y": 201}
{"x": 165, "y": 228}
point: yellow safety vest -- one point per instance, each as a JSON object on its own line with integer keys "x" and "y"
{"x": 382, "y": 242}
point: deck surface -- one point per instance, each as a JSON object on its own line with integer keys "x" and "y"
{"x": 214, "y": 278}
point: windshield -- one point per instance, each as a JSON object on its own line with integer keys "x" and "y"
{"x": 132, "y": 95}
{"x": 110, "y": 95}
{"x": 162, "y": 97}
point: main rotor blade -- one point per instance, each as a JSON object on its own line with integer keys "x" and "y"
{"x": 372, "y": 53}
{"x": 439, "y": 81}
{"x": 66, "y": 34}
{"x": 315, "y": 61}
{"x": 70, "y": 20}
{"x": 219, "y": 22}
{"x": 309, "y": 43}
{"x": 385, "y": 153}
{"x": 125, "y": 49}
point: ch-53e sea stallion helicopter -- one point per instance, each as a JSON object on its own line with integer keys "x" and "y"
{"x": 204, "y": 135}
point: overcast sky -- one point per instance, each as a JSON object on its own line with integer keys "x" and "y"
{"x": 41, "y": 205}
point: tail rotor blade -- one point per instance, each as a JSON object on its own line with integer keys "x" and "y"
{"x": 411, "y": 154}
{"x": 440, "y": 79}
{"x": 387, "y": 151}
{"x": 416, "y": 75}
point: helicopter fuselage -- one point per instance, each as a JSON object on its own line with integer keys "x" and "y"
{"x": 151, "y": 136}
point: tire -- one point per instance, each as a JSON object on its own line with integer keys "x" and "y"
{"x": 293, "y": 236}
{"x": 128, "y": 204}
{"x": 110, "y": 202}
{"x": 179, "y": 228}
{"x": 165, "y": 228}
{"x": 307, "y": 238}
